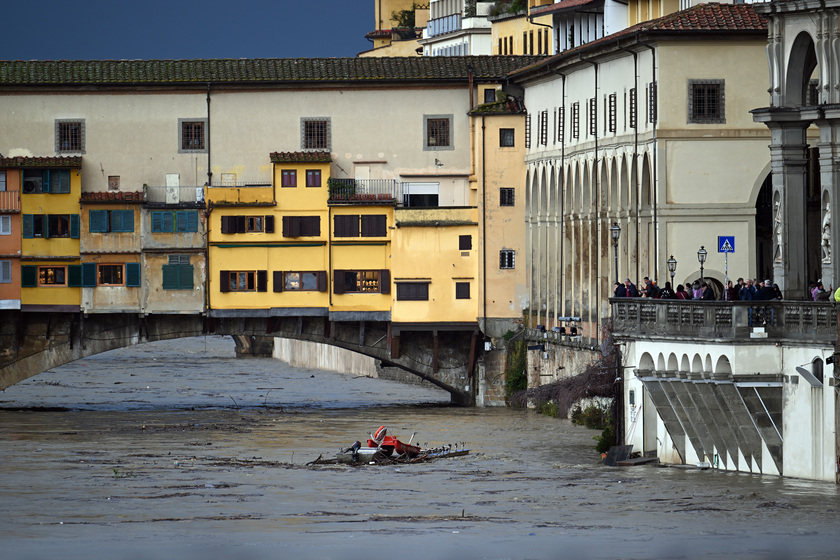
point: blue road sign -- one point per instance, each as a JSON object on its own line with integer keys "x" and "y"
{"x": 726, "y": 243}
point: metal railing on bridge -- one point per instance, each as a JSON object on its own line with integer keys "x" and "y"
{"x": 172, "y": 194}
{"x": 736, "y": 321}
{"x": 365, "y": 191}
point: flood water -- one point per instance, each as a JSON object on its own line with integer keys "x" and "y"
{"x": 180, "y": 450}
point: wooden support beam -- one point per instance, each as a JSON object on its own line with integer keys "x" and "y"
{"x": 332, "y": 330}
{"x": 327, "y": 327}
{"x": 361, "y": 334}
{"x": 471, "y": 366}
{"x": 435, "y": 367}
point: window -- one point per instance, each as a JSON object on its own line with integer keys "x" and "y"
{"x": 50, "y": 225}
{"x": 315, "y": 133}
{"x": 528, "y": 130}
{"x": 300, "y": 281}
{"x": 490, "y": 94}
{"x": 506, "y": 196}
{"x": 633, "y": 108}
{"x": 192, "y": 135}
{"x": 437, "y": 130}
{"x": 2, "y": 181}
{"x": 706, "y": 101}
{"x": 593, "y": 116}
{"x": 288, "y": 178}
{"x": 109, "y": 275}
{"x": 178, "y": 273}
{"x": 464, "y": 242}
{"x": 55, "y": 181}
{"x": 70, "y": 136}
{"x": 243, "y": 281}
{"x": 611, "y": 110}
{"x": 543, "y": 141}
{"x": 301, "y": 226}
{"x": 52, "y": 276}
{"x": 254, "y": 224}
{"x": 117, "y": 221}
{"x": 313, "y": 177}
{"x": 462, "y": 290}
{"x": 421, "y": 195}
{"x": 346, "y": 226}
{"x": 5, "y": 272}
{"x": 374, "y": 225}
{"x": 651, "y": 102}
{"x": 181, "y": 221}
{"x": 362, "y": 281}
{"x": 507, "y": 258}
{"x": 506, "y": 137}
{"x": 561, "y": 122}
{"x": 412, "y": 291}
{"x": 5, "y": 225}
{"x": 576, "y": 120}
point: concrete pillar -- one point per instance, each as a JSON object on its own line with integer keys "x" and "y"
{"x": 788, "y": 161}
{"x": 830, "y": 198}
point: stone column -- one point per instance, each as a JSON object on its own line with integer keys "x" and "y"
{"x": 788, "y": 161}
{"x": 830, "y": 199}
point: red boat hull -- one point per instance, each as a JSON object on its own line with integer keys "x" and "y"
{"x": 392, "y": 444}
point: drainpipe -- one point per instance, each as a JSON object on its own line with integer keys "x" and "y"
{"x": 635, "y": 141}
{"x": 597, "y": 176}
{"x": 562, "y": 252}
{"x": 207, "y": 216}
{"x": 209, "y": 172}
{"x": 484, "y": 219}
{"x": 654, "y": 185}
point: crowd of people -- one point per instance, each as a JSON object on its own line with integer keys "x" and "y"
{"x": 743, "y": 290}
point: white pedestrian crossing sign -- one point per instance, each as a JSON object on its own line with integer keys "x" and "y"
{"x": 726, "y": 244}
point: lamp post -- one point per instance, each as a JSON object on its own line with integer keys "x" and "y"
{"x": 701, "y": 256}
{"x": 672, "y": 268}
{"x": 615, "y": 231}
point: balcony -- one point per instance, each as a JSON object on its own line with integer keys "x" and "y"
{"x": 244, "y": 194}
{"x": 443, "y": 25}
{"x": 436, "y": 217}
{"x": 733, "y": 322}
{"x": 9, "y": 201}
{"x": 365, "y": 191}
{"x": 173, "y": 196}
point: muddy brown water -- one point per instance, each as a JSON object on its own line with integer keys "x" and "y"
{"x": 179, "y": 450}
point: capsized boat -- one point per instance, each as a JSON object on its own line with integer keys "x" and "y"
{"x": 379, "y": 446}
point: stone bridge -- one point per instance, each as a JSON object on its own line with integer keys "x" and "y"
{"x": 31, "y": 342}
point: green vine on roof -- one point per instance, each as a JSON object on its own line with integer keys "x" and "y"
{"x": 405, "y": 18}
{"x": 508, "y": 7}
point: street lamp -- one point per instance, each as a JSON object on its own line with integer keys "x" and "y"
{"x": 701, "y": 256}
{"x": 672, "y": 268}
{"x": 615, "y": 231}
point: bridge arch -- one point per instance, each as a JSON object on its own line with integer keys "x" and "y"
{"x": 37, "y": 342}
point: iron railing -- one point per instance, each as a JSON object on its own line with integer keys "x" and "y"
{"x": 365, "y": 191}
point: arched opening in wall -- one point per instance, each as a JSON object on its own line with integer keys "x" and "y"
{"x": 800, "y": 82}
{"x": 764, "y": 229}
{"x": 615, "y": 204}
{"x": 813, "y": 216}
{"x": 723, "y": 367}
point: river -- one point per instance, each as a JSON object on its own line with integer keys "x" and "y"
{"x": 178, "y": 449}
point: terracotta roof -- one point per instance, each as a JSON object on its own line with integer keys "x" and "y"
{"x": 301, "y": 157}
{"x": 252, "y": 71}
{"x": 73, "y": 162}
{"x": 511, "y": 106}
{"x": 712, "y": 18}
{"x": 121, "y": 196}
{"x": 562, "y": 6}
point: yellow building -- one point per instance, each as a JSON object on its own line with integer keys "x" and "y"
{"x": 10, "y": 232}
{"x": 521, "y": 33}
{"x": 391, "y": 37}
{"x": 51, "y": 273}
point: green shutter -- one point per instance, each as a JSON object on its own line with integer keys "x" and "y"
{"x": 28, "y": 276}
{"x": 132, "y": 275}
{"x": 170, "y": 277}
{"x": 162, "y": 222}
{"x": 186, "y": 221}
{"x": 127, "y": 220}
{"x": 74, "y": 276}
{"x": 98, "y": 221}
{"x": 45, "y": 182}
{"x": 185, "y": 277}
{"x": 74, "y": 226}
{"x": 28, "y": 226}
{"x": 88, "y": 275}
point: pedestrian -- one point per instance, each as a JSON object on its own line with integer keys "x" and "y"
{"x": 729, "y": 293}
{"x": 650, "y": 289}
{"x": 619, "y": 290}
{"x": 766, "y": 293}
{"x": 748, "y": 291}
{"x": 696, "y": 290}
{"x": 708, "y": 294}
{"x": 681, "y": 293}
{"x": 630, "y": 288}
{"x": 667, "y": 292}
